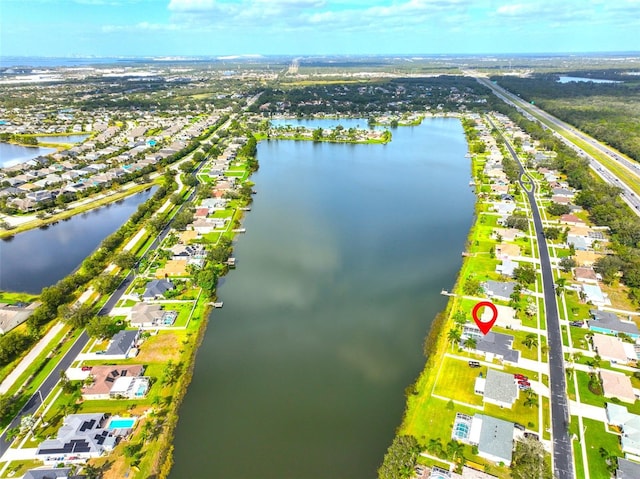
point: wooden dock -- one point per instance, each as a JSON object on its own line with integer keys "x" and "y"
{"x": 239, "y": 230}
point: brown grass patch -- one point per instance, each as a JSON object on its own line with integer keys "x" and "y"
{"x": 161, "y": 348}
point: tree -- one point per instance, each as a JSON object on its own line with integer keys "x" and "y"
{"x": 567, "y": 263}
{"x": 459, "y": 318}
{"x": 530, "y": 340}
{"x": 125, "y": 260}
{"x": 317, "y": 134}
{"x": 187, "y": 166}
{"x": 435, "y": 447}
{"x": 76, "y": 316}
{"x": 472, "y": 287}
{"x": 609, "y": 267}
{"x": 529, "y": 460}
{"x": 552, "y": 233}
{"x": 400, "y": 459}
{"x": 101, "y": 327}
{"x": 560, "y": 286}
{"x": 454, "y": 336}
{"x": 557, "y": 209}
{"x": 182, "y": 219}
{"x": 525, "y": 274}
{"x": 518, "y": 221}
{"x": 531, "y": 399}
{"x": 454, "y": 449}
{"x": 107, "y": 283}
{"x": 470, "y": 343}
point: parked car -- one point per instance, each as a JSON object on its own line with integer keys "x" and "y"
{"x": 520, "y": 377}
{"x": 519, "y": 426}
{"x": 474, "y": 364}
{"x": 86, "y": 368}
{"x": 577, "y": 324}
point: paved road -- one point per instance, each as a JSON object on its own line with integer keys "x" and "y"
{"x": 562, "y": 452}
{"x": 628, "y": 195}
{"x": 45, "y": 388}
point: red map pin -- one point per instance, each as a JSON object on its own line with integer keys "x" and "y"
{"x": 485, "y": 326}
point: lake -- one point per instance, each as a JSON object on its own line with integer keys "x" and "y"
{"x": 567, "y": 79}
{"x": 62, "y": 138}
{"x": 302, "y": 373}
{"x": 40, "y": 257}
{"x": 11, "y": 154}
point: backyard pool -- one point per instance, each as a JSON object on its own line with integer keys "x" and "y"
{"x": 121, "y": 423}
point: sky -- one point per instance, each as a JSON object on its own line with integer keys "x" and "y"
{"x": 315, "y": 27}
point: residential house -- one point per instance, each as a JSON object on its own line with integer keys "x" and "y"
{"x": 504, "y": 208}
{"x": 586, "y": 258}
{"x": 156, "y": 288}
{"x": 145, "y": 315}
{"x": 506, "y": 317}
{"x": 50, "y": 473}
{"x": 493, "y": 437}
{"x": 507, "y": 251}
{"x": 580, "y": 243}
{"x": 104, "y": 377}
{"x": 608, "y": 323}
{"x": 498, "y": 289}
{"x": 611, "y": 348}
{"x": 508, "y": 234}
{"x": 493, "y": 345}
{"x": 617, "y": 385}
{"x": 173, "y": 268}
{"x": 507, "y": 267}
{"x": 620, "y": 416}
{"x": 497, "y": 388}
{"x": 594, "y": 295}
{"x": 626, "y": 469}
{"x": 570, "y": 219}
{"x": 123, "y": 345}
{"x": 12, "y": 315}
{"x": 585, "y": 275}
{"x": 81, "y": 437}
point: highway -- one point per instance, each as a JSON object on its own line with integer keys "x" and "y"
{"x": 45, "y": 388}
{"x": 627, "y": 194}
{"x": 562, "y": 451}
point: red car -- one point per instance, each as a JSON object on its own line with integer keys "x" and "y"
{"x": 524, "y": 383}
{"x": 520, "y": 377}
{"x": 86, "y": 368}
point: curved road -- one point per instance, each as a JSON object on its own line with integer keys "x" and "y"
{"x": 562, "y": 451}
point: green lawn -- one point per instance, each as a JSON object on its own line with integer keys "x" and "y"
{"x": 596, "y": 437}
{"x": 456, "y": 381}
{"x": 586, "y": 396}
{"x": 577, "y": 450}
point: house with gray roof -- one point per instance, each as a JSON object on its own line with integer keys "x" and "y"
{"x": 608, "y": 323}
{"x": 494, "y": 438}
{"x": 626, "y": 469}
{"x": 493, "y": 345}
{"x": 156, "y": 289}
{"x": 81, "y": 437}
{"x": 50, "y": 473}
{"x": 122, "y": 344}
{"x": 499, "y": 289}
{"x": 497, "y": 388}
{"x": 629, "y": 423}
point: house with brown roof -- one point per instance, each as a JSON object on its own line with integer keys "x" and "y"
{"x": 610, "y": 348}
{"x": 585, "y": 275}
{"x": 507, "y": 251}
{"x": 586, "y": 258}
{"x": 104, "y": 377}
{"x": 570, "y": 219}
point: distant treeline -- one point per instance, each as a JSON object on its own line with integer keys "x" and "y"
{"x": 609, "y": 112}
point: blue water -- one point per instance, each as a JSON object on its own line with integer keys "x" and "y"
{"x": 62, "y": 139}
{"x": 566, "y": 79}
{"x": 121, "y": 424}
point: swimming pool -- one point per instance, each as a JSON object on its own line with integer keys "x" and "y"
{"x": 121, "y": 423}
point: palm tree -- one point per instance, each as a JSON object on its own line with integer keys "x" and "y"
{"x": 531, "y": 399}
{"x": 454, "y": 336}
{"x": 530, "y": 340}
{"x": 560, "y": 285}
{"x": 454, "y": 448}
{"x": 470, "y": 343}
{"x": 435, "y": 447}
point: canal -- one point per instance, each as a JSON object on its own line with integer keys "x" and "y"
{"x": 40, "y": 257}
{"x": 302, "y": 373}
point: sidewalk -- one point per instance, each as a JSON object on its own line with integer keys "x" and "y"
{"x": 29, "y": 358}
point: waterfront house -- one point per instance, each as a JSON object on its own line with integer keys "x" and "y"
{"x": 507, "y": 251}
{"x": 498, "y": 289}
{"x": 492, "y": 345}
{"x": 103, "y": 379}
{"x": 81, "y": 437}
{"x": 497, "y": 388}
{"x": 145, "y": 315}
{"x": 492, "y": 436}
{"x": 123, "y": 345}
{"x": 50, "y": 473}
{"x": 12, "y": 315}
